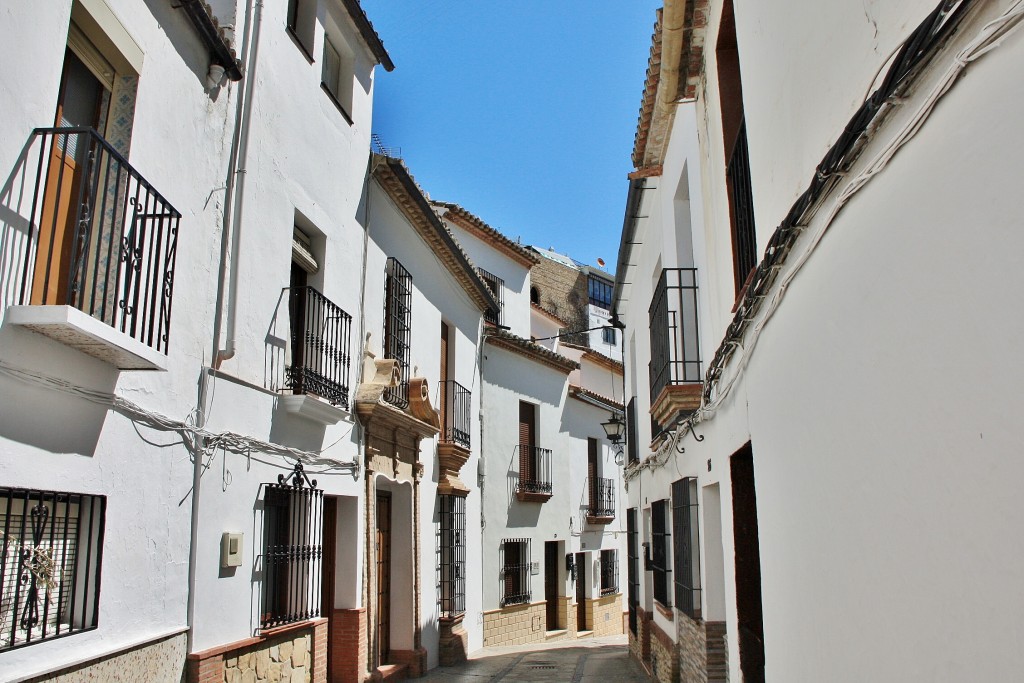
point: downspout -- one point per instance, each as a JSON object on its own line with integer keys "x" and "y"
{"x": 239, "y": 158}
{"x": 199, "y": 447}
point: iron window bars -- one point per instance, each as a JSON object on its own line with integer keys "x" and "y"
{"x": 675, "y": 344}
{"x": 741, "y": 205}
{"x": 50, "y": 566}
{"x": 292, "y": 550}
{"x": 534, "y": 470}
{"x": 660, "y": 559}
{"x": 600, "y": 292}
{"x": 632, "y": 568}
{"x": 397, "y": 327}
{"x": 102, "y": 239}
{"x": 457, "y": 402}
{"x": 686, "y": 546}
{"x": 631, "y": 435}
{"x": 602, "y": 497}
{"x": 609, "y": 572}
{"x": 515, "y": 571}
{"x": 321, "y": 335}
{"x": 451, "y": 555}
{"x": 497, "y": 287}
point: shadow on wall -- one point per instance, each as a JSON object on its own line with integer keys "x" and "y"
{"x": 16, "y": 198}
{"x": 276, "y": 346}
{"x": 183, "y": 37}
{"x": 519, "y": 514}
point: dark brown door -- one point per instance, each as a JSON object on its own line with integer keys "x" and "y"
{"x": 446, "y": 432}
{"x": 581, "y": 592}
{"x": 747, "y": 558}
{"x": 527, "y": 440}
{"x": 327, "y": 578}
{"x": 551, "y": 591}
{"x": 383, "y": 575}
{"x": 592, "y": 471}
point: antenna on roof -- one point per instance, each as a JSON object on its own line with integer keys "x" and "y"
{"x": 378, "y": 146}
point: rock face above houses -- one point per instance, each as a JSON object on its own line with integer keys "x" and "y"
{"x": 562, "y": 291}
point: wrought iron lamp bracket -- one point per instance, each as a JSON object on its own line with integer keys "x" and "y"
{"x": 298, "y": 478}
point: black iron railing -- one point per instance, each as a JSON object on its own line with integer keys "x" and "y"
{"x": 292, "y": 550}
{"x": 398, "y": 327}
{"x": 515, "y": 572}
{"x": 534, "y": 470}
{"x": 456, "y": 400}
{"x": 52, "y": 548}
{"x": 451, "y": 555}
{"x": 321, "y": 336}
{"x": 686, "y": 546}
{"x": 103, "y": 240}
{"x": 675, "y": 344}
{"x": 741, "y": 205}
{"x": 660, "y": 560}
{"x": 609, "y": 572}
{"x": 497, "y": 287}
{"x": 602, "y": 497}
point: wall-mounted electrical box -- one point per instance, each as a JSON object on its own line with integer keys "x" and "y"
{"x": 230, "y": 550}
{"x": 535, "y": 568}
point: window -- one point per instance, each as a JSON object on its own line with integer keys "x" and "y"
{"x": 659, "y": 555}
{"x": 497, "y": 287}
{"x": 451, "y": 555}
{"x": 398, "y": 327}
{"x": 52, "y": 544}
{"x": 301, "y": 23}
{"x": 600, "y": 292}
{"x": 633, "y": 568}
{"x": 631, "y": 435}
{"x": 608, "y": 335}
{"x": 515, "y": 571}
{"x": 336, "y": 77}
{"x": 292, "y": 551}
{"x": 686, "y": 546}
{"x": 534, "y": 296}
{"x": 609, "y": 572}
{"x": 534, "y": 462}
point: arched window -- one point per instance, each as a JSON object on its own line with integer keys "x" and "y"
{"x": 534, "y": 296}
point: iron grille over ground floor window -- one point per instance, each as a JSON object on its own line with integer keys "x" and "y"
{"x": 515, "y": 571}
{"x": 632, "y": 568}
{"x": 52, "y": 544}
{"x": 497, "y": 287}
{"x": 292, "y": 550}
{"x": 659, "y": 552}
{"x": 686, "y": 546}
{"x": 451, "y": 555}
{"x": 609, "y": 572}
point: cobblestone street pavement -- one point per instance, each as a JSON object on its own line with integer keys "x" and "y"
{"x": 598, "y": 659}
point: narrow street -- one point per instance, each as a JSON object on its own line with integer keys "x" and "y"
{"x": 598, "y": 659}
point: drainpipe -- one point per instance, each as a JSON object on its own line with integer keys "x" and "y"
{"x": 242, "y": 112}
{"x": 236, "y": 196}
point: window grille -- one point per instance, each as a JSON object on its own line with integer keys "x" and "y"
{"x": 686, "y": 546}
{"x": 609, "y": 572}
{"x": 451, "y": 555}
{"x": 600, "y": 292}
{"x": 675, "y": 349}
{"x": 660, "y": 558}
{"x": 497, "y": 287}
{"x": 741, "y": 205}
{"x": 398, "y": 327}
{"x": 534, "y": 470}
{"x": 632, "y": 568}
{"x": 515, "y": 571}
{"x": 457, "y": 401}
{"x": 631, "y": 435}
{"x": 292, "y": 550}
{"x": 602, "y": 497}
{"x": 52, "y": 544}
{"x": 321, "y": 335}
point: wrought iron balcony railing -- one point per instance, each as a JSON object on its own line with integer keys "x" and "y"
{"x": 321, "y": 335}
{"x": 534, "y": 470}
{"x": 102, "y": 239}
{"x": 675, "y": 344}
{"x": 455, "y": 410}
{"x": 602, "y": 497}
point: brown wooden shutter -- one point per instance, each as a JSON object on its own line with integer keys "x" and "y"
{"x": 592, "y": 471}
{"x": 527, "y": 435}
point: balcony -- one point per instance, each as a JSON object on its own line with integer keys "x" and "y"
{"x": 534, "y": 474}
{"x": 454, "y": 445}
{"x": 601, "y": 508}
{"x": 675, "y": 367}
{"x": 98, "y": 269}
{"x": 320, "y": 340}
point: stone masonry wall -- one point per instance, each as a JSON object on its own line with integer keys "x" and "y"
{"x": 563, "y": 291}
{"x": 664, "y": 661}
{"x": 162, "y": 660}
{"x": 692, "y": 649}
{"x": 515, "y": 624}
{"x": 605, "y": 615}
{"x": 296, "y": 656}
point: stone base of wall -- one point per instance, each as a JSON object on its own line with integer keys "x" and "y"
{"x": 414, "y": 660}
{"x": 691, "y": 648}
{"x": 348, "y": 645}
{"x": 604, "y": 614}
{"x": 453, "y": 643}
{"x": 664, "y": 660}
{"x": 159, "y": 660}
{"x": 696, "y": 654}
{"x": 515, "y": 624}
{"x": 293, "y": 654}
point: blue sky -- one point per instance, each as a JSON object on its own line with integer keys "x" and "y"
{"x": 523, "y": 112}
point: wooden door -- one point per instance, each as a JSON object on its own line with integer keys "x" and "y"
{"x": 581, "y": 592}
{"x": 592, "y": 472}
{"x": 383, "y": 575}
{"x": 446, "y": 433}
{"x": 330, "y": 548}
{"x": 297, "y": 320}
{"x": 551, "y": 591}
{"x": 527, "y": 440}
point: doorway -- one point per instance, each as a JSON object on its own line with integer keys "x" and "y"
{"x": 330, "y": 549}
{"x": 581, "y": 592}
{"x": 383, "y": 575}
{"x": 748, "y": 565}
{"x": 551, "y": 592}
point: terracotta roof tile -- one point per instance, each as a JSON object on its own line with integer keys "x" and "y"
{"x": 532, "y": 350}
{"x": 478, "y": 228}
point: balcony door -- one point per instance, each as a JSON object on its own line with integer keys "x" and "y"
{"x": 443, "y": 379}
{"x": 82, "y": 102}
{"x": 592, "y": 473}
{"x": 527, "y": 441}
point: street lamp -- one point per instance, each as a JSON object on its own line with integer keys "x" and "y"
{"x": 615, "y": 430}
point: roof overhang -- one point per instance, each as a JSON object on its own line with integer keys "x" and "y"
{"x": 533, "y": 351}
{"x": 368, "y": 33}
{"x": 485, "y": 233}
